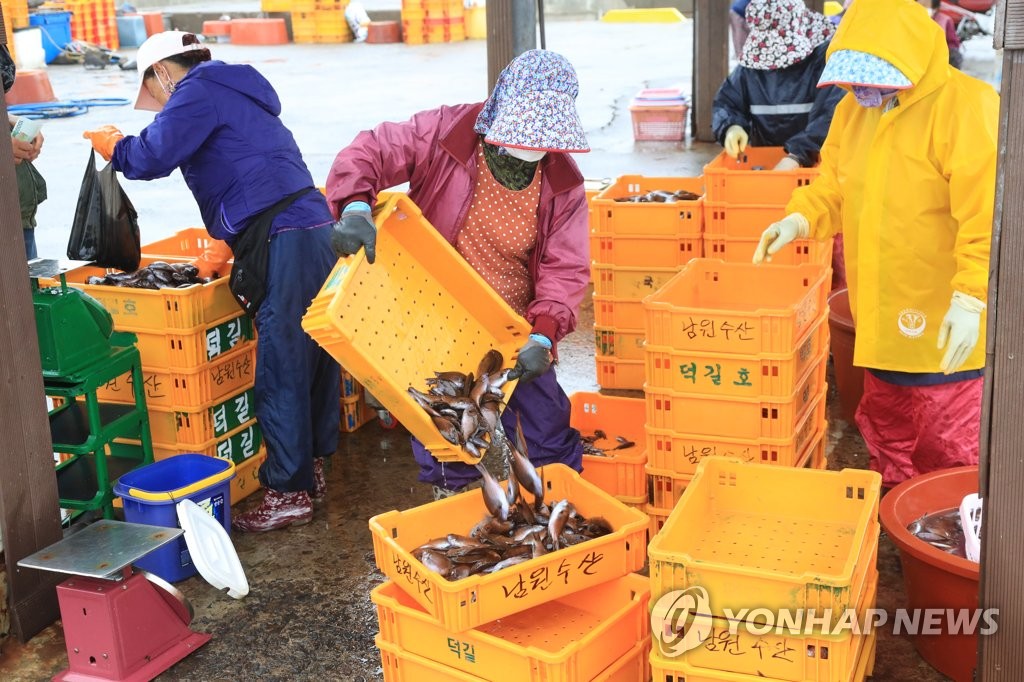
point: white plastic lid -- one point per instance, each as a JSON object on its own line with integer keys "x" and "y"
{"x": 211, "y": 549}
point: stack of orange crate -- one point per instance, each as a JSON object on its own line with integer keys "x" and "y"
{"x": 736, "y": 357}
{"x": 93, "y": 21}
{"x": 796, "y": 547}
{"x": 15, "y": 16}
{"x": 635, "y": 248}
{"x": 616, "y": 427}
{"x": 320, "y": 21}
{"x": 577, "y": 613}
{"x": 433, "y": 21}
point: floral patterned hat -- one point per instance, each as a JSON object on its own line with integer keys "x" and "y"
{"x": 782, "y": 33}
{"x": 533, "y": 106}
{"x": 852, "y": 67}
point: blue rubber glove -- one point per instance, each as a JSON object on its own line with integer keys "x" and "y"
{"x": 534, "y": 359}
{"x": 355, "y": 230}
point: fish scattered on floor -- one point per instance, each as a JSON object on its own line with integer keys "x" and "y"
{"x": 942, "y": 530}
{"x": 156, "y": 275}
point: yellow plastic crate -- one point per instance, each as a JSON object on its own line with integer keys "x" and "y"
{"x": 187, "y": 243}
{"x": 619, "y": 374}
{"x": 480, "y": 599}
{"x": 571, "y": 639}
{"x": 620, "y": 313}
{"x": 419, "y": 309}
{"x": 241, "y": 444}
{"x": 247, "y": 479}
{"x": 630, "y": 283}
{"x": 193, "y": 348}
{"x": 621, "y": 473}
{"x": 186, "y": 391}
{"x": 355, "y": 413}
{"x": 159, "y": 310}
{"x": 773, "y": 537}
{"x": 350, "y": 388}
{"x": 195, "y": 427}
{"x": 622, "y": 344}
{"x": 656, "y": 520}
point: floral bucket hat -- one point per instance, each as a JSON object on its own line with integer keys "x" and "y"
{"x": 852, "y": 67}
{"x": 533, "y": 106}
{"x": 782, "y": 33}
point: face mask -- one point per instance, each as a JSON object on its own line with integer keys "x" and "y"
{"x": 528, "y": 155}
{"x": 870, "y": 96}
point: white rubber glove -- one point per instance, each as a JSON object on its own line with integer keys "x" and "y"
{"x": 736, "y": 139}
{"x": 787, "y": 163}
{"x": 961, "y": 328}
{"x": 793, "y": 226}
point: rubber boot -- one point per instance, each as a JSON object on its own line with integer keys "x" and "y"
{"x": 319, "y": 492}
{"x": 277, "y": 510}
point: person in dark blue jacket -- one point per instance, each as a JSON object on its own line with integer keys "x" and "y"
{"x": 771, "y": 99}
{"x": 219, "y": 124}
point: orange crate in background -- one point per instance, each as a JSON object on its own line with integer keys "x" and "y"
{"x": 629, "y": 283}
{"x": 737, "y": 308}
{"x": 620, "y": 374}
{"x": 94, "y": 21}
{"x": 657, "y": 251}
{"x": 659, "y": 114}
{"x": 187, "y": 243}
{"x": 575, "y": 637}
{"x": 620, "y": 313}
{"x": 622, "y": 344}
{"x": 656, "y": 520}
{"x": 621, "y": 472}
{"x": 797, "y": 252}
{"x": 678, "y": 218}
{"x": 750, "y": 179}
{"x": 740, "y": 221}
{"x": 247, "y": 477}
{"x": 355, "y": 413}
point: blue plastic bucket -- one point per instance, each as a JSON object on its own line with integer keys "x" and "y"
{"x": 150, "y": 494}
{"x": 56, "y": 30}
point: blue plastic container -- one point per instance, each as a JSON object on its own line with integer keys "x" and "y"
{"x": 56, "y": 30}
{"x": 131, "y": 30}
{"x": 150, "y": 494}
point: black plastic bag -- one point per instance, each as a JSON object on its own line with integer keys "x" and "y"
{"x": 106, "y": 226}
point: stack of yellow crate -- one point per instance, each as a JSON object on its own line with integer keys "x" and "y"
{"x": 735, "y": 364}
{"x": 354, "y": 410}
{"x": 319, "y": 21}
{"x": 433, "y": 21}
{"x": 773, "y": 570}
{"x": 93, "y": 21}
{"x": 635, "y": 248}
{"x": 15, "y": 16}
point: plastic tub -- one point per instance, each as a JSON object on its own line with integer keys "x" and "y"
{"x": 849, "y": 379}
{"x": 151, "y": 492}
{"x": 932, "y": 578}
{"x": 56, "y": 29}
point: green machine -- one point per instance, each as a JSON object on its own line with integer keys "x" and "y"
{"x": 80, "y": 353}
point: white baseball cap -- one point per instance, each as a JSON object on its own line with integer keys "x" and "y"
{"x": 160, "y": 46}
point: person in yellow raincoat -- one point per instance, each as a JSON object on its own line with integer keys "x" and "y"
{"x": 908, "y": 176}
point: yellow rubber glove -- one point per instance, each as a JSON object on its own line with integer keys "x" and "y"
{"x": 793, "y": 226}
{"x": 736, "y": 139}
{"x": 213, "y": 261}
{"x": 103, "y": 140}
{"x": 961, "y": 328}
{"x": 787, "y": 163}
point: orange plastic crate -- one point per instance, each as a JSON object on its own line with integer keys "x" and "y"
{"x": 350, "y": 388}
{"x": 735, "y": 181}
{"x": 621, "y": 473}
{"x": 419, "y": 309}
{"x": 190, "y": 390}
{"x": 240, "y": 445}
{"x": 481, "y": 599}
{"x": 621, "y": 344}
{"x": 777, "y": 537}
{"x": 797, "y": 252}
{"x": 571, "y": 639}
{"x": 680, "y": 218}
{"x": 620, "y": 374}
{"x": 641, "y": 251}
{"x": 737, "y": 375}
{"x": 656, "y": 520}
{"x": 736, "y": 308}
{"x": 355, "y": 413}
{"x": 195, "y": 427}
{"x": 618, "y": 313}
{"x": 732, "y": 654}
{"x": 739, "y": 221}
{"x": 665, "y": 487}
{"x": 751, "y": 418}
{"x": 681, "y": 452}
{"x": 631, "y": 283}
{"x": 247, "y": 477}
{"x": 187, "y": 243}
{"x": 159, "y": 310}
{"x": 193, "y": 348}
{"x": 659, "y": 122}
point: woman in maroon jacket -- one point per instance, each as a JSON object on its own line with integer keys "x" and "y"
{"x": 496, "y": 180}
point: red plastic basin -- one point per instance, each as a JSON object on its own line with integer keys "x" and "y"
{"x": 849, "y": 379}
{"x": 932, "y": 578}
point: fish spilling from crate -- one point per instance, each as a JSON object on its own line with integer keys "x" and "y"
{"x": 514, "y": 529}
{"x": 942, "y": 530}
{"x": 464, "y": 407}
{"x": 591, "y": 447}
{"x": 156, "y": 275}
{"x": 659, "y": 196}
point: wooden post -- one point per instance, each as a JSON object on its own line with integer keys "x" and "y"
{"x": 710, "y": 62}
{"x": 511, "y": 31}
{"x": 1000, "y": 655}
{"x": 816, "y": 5}
{"x": 29, "y": 511}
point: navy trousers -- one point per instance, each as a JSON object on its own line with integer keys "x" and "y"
{"x": 544, "y": 409}
{"x": 298, "y": 385}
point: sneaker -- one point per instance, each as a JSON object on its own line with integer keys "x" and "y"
{"x": 319, "y": 492}
{"x": 277, "y": 510}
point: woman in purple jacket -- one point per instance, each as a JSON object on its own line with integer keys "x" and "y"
{"x": 219, "y": 124}
{"x": 496, "y": 179}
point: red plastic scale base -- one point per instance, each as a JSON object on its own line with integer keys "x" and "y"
{"x": 126, "y": 631}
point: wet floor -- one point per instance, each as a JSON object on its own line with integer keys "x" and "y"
{"x": 308, "y": 615}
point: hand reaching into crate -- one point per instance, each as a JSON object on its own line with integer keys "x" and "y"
{"x": 355, "y": 230}
{"x": 793, "y": 226}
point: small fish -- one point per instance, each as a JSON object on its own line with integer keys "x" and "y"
{"x": 559, "y": 515}
{"x": 435, "y": 561}
{"x": 509, "y": 562}
{"x": 494, "y": 496}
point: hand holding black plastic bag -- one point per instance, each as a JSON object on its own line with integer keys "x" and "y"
{"x": 106, "y": 226}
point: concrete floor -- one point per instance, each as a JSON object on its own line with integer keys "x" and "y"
{"x": 308, "y": 616}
